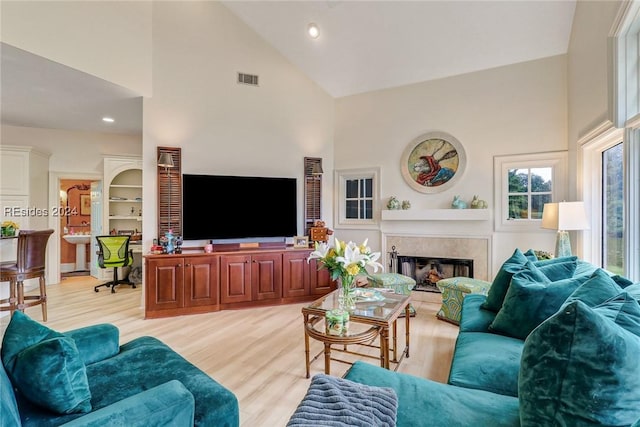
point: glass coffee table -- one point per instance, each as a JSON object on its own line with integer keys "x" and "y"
{"x": 373, "y": 316}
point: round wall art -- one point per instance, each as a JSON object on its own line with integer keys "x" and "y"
{"x": 433, "y": 162}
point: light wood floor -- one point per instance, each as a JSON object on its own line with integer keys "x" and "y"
{"x": 257, "y": 353}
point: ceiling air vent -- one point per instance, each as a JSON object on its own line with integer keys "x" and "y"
{"x": 248, "y": 79}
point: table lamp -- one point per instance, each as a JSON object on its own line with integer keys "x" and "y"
{"x": 564, "y": 216}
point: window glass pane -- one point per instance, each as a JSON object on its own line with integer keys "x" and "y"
{"x": 351, "y": 209}
{"x": 537, "y": 203}
{"x": 368, "y": 187}
{"x": 540, "y": 179}
{"x": 368, "y": 209}
{"x": 352, "y": 188}
{"x": 518, "y": 180}
{"x": 361, "y": 182}
{"x": 518, "y": 207}
{"x": 612, "y": 210}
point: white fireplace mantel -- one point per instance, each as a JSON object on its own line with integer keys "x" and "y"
{"x": 436, "y": 215}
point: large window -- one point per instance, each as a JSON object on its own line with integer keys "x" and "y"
{"x": 613, "y": 209}
{"x": 357, "y": 196}
{"x": 524, "y": 183}
{"x": 603, "y": 176}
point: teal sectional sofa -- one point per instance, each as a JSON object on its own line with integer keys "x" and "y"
{"x": 85, "y": 378}
{"x": 555, "y": 344}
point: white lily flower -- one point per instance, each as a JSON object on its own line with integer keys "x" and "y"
{"x": 321, "y": 251}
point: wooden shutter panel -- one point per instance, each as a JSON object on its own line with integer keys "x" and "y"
{"x": 312, "y": 192}
{"x": 170, "y": 193}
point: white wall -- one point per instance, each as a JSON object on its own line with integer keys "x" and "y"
{"x": 588, "y": 66}
{"x": 221, "y": 126}
{"x": 588, "y": 89}
{"x": 507, "y": 110}
{"x": 108, "y": 39}
{"x": 588, "y": 62}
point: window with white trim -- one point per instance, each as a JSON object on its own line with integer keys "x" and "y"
{"x": 357, "y": 196}
{"x": 529, "y": 189}
{"x": 612, "y": 209}
{"x": 599, "y": 169}
{"x": 523, "y": 184}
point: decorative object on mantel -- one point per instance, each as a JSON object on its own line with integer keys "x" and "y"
{"x": 458, "y": 203}
{"x": 433, "y": 162}
{"x": 345, "y": 261}
{"x": 477, "y": 203}
{"x": 393, "y": 203}
{"x": 406, "y": 204}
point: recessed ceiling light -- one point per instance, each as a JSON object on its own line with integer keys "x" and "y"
{"x": 108, "y": 119}
{"x": 313, "y": 30}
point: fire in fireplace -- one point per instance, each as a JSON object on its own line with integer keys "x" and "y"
{"x": 427, "y": 271}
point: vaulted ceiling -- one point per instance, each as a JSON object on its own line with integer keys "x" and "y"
{"x": 363, "y": 46}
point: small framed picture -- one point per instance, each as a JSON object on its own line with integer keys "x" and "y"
{"x": 300, "y": 241}
{"x": 85, "y": 204}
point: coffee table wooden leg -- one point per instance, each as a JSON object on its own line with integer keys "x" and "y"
{"x": 407, "y": 323}
{"x": 306, "y": 344}
{"x": 395, "y": 341}
{"x": 327, "y": 358}
{"x": 384, "y": 347}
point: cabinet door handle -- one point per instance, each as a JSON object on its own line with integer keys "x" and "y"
{"x": 187, "y": 265}
{"x": 178, "y": 265}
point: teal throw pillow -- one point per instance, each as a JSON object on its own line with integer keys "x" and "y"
{"x": 51, "y": 375}
{"x": 531, "y": 255}
{"x": 634, "y": 290}
{"x": 558, "y": 268}
{"x": 45, "y": 366}
{"x": 580, "y": 367}
{"x": 623, "y": 309}
{"x": 22, "y": 332}
{"x": 622, "y": 281}
{"x": 500, "y": 283}
{"x": 599, "y": 288}
{"x": 550, "y": 261}
{"x": 532, "y": 298}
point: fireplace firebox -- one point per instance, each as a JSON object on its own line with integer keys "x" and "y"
{"x": 427, "y": 271}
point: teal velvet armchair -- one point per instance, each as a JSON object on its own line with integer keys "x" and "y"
{"x": 85, "y": 378}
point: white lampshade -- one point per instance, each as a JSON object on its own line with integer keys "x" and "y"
{"x": 564, "y": 216}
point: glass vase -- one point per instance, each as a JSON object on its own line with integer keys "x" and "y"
{"x": 346, "y": 293}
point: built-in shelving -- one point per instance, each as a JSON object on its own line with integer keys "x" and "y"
{"x": 436, "y": 215}
{"x": 129, "y": 217}
{"x": 125, "y": 201}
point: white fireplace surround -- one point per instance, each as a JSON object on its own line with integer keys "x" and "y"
{"x": 477, "y": 248}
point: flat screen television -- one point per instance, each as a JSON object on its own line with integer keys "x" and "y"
{"x": 220, "y": 207}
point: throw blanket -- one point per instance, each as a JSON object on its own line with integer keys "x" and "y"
{"x": 333, "y": 401}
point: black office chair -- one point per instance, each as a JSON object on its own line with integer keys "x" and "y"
{"x": 114, "y": 252}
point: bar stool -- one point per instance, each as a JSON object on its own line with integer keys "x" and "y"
{"x": 29, "y": 264}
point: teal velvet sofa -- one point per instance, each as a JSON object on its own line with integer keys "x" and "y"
{"x": 551, "y": 346}
{"x": 85, "y": 378}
